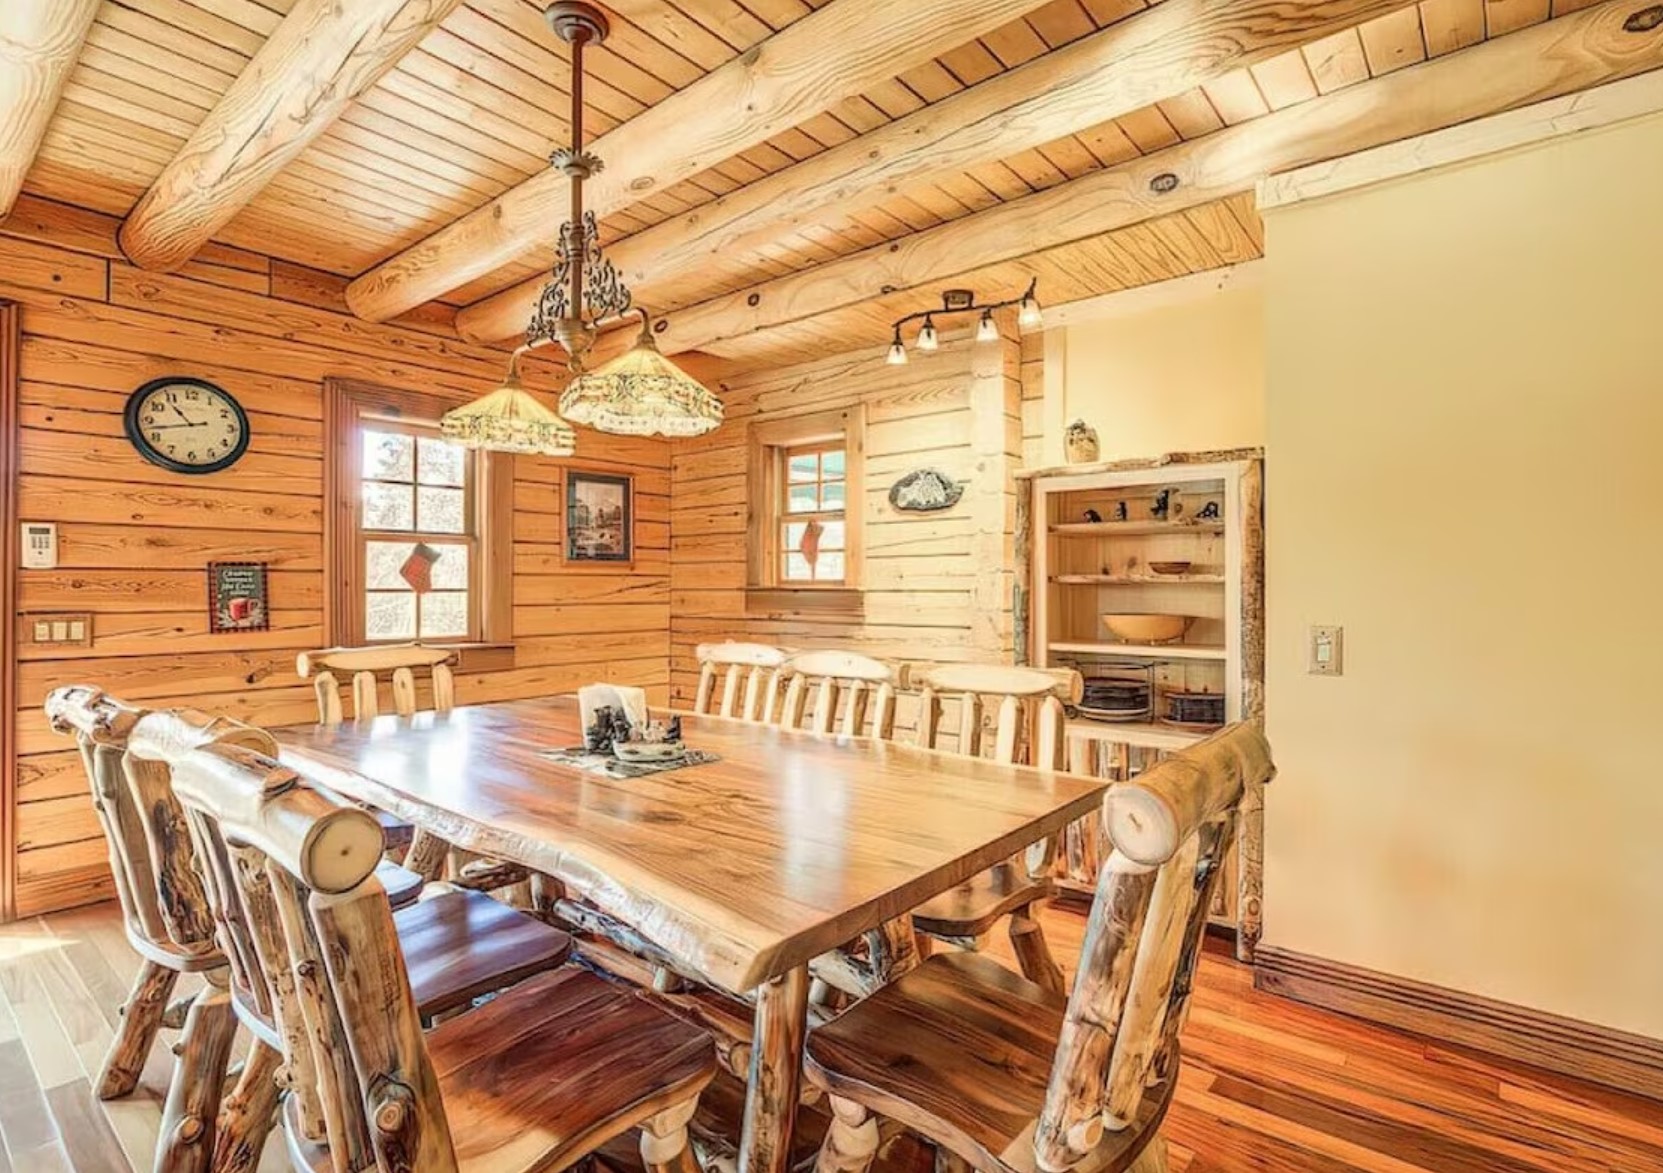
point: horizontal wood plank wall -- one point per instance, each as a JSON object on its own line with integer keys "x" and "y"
{"x": 134, "y": 540}
{"x": 937, "y": 586}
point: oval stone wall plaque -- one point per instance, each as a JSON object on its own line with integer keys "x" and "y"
{"x": 925, "y": 490}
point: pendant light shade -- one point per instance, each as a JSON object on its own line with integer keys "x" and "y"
{"x": 641, "y": 393}
{"x": 509, "y": 419}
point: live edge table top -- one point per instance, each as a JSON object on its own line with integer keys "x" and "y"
{"x": 744, "y": 868}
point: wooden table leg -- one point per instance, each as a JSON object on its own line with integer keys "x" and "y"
{"x": 776, "y": 1073}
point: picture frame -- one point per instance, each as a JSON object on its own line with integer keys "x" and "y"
{"x": 599, "y": 518}
{"x": 238, "y": 598}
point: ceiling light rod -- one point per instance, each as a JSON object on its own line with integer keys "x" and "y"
{"x": 963, "y": 301}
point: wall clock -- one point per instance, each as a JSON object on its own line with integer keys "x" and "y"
{"x": 186, "y": 425}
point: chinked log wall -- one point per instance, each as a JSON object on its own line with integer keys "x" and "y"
{"x": 134, "y": 540}
{"x": 938, "y": 586}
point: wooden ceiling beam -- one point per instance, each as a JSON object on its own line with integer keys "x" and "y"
{"x": 840, "y": 50}
{"x": 1131, "y": 64}
{"x": 1613, "y": 40}
{"x": 319, "y": 59}
{"x": 40, "y": 42}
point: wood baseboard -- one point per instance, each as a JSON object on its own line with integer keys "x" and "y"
{"x": 1614, "y": 1058}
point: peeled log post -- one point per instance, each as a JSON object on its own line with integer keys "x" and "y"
{"x": 141, "y": 1018}
{"x": 246, "y": 1115}
{"x": 192, "y": 1108}
{"x": 776, "y": 1073}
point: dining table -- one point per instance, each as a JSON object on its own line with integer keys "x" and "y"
{"x": 743, "y": 868}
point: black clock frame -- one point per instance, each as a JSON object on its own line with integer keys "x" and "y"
{"x": 135, "y": 431}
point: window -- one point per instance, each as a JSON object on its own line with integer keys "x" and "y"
{"x": 805, "y": 485}
{"x": 415, "y": 526}
{"x": 408, "y": 510}
{"x": 813, "y": 534}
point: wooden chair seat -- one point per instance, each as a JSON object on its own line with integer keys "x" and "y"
{"x": 961, "y": 1049}
{"x": 551, "y": 1071}
{"x": 461, "y": 944}
{"x": 403, "y": 885}
{"x": 397, "y": 833}
{"x": 976, "y": 905}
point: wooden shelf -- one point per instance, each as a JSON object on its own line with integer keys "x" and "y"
{"x": 1143, "y": 651}
{"x": 1149, "y": 734}
{"x": 1129, "y": 580}
{"x": 1109, "y": 529}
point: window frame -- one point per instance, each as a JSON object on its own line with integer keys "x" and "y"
{"x": 785, "y": 517}
{"x": 349, "y": 409}
{"x": 770, "y": 441}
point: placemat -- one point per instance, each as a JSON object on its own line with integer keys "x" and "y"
{"x": 590, "y": 762}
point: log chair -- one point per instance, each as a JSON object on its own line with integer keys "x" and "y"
{"x": 1006, "y": 1076}
{"x": 750, "y": 679}
{"x": 849, "y": 695}
{"x": 1027, "y": 707}
{"x": 534, "y": 1080}
{"x": 428, "y": 855}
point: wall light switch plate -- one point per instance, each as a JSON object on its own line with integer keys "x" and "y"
{"x": 73, "y": 629}
{"x": 1325, "y": 654}
{"x": 40, "y": 545}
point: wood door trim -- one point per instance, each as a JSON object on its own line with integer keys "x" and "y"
{"x": 10, "y": 334}
{"x": 1599, "y": 1054}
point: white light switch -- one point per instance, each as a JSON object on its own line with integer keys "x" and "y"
{"x": 1326, "y": 653}
{"x": 40, "y": 545}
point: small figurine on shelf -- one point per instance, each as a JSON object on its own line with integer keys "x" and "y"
{"x": 1209, "y": 512}
{"x": 1120, "y": 513}
{"x": 1162, "y": 505}
{"x": 1093, "y": 516}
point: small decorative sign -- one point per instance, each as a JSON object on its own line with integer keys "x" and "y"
{"x": 237, "y": 597}
{"x": 925, "y": 490}
{"x": 600, "y": 523}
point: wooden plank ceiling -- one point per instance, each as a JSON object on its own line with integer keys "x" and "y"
{"x": 478, "y": 105}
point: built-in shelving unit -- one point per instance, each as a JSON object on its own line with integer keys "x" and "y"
{"x": 1204, "y": 512}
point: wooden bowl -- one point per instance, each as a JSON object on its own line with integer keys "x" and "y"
{"x": 1171, "y": 567}
{"x": 1147, "y": 628}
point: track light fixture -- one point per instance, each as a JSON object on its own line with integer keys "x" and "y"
{"x": 963, "y": 301}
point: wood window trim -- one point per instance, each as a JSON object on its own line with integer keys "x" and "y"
{"x": 345, "y": 404}
{"x": 10, "y": 343}
{"x": 765, "y": 474}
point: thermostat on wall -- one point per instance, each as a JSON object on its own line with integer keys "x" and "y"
{"x": 40, "y": 545}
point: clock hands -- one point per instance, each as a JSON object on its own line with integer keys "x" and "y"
{"x": 174, "y": 427}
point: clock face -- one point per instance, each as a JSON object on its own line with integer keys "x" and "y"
{"x": 186, "y": 425}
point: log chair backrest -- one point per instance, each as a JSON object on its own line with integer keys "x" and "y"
{"x": 1025, "y": 702}
{"x": 327, "y": 668}
{"x": 158, "y": 742}
{"x": 161, "y": 899}
{"x": 841, "y": 692}
{"x": 303, "y": 865}
{"x": 749, "y": 675}
{"x": 1171, "y": 829}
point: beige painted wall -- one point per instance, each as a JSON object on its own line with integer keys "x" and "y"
{"x": 1465, "y": 462}
{"x": 1185, "y": 375}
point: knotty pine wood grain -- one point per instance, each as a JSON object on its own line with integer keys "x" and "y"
{"x": 134, "y": 540}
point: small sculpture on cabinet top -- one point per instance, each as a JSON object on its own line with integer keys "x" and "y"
{"x": 1080, "y": 443}
{"x": 1093, "y": 516}
{"x": 1209, "y": 512}
{"x": 1162, "y": 505}
{"x": 1120, "y": 513}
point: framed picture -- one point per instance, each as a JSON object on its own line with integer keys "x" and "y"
{"x": 600, "y": 517}
{"x": 237, "y": 597}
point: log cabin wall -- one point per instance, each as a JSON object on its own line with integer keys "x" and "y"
{"x": 134, "y": 540}
{"x": 937, "y": 587}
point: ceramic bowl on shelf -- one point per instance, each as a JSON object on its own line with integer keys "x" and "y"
{"x": 1142, "y": 627}
{"x": 1171, "y": 567}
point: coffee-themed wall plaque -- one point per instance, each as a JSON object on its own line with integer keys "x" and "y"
{"x": 237, "y": 599}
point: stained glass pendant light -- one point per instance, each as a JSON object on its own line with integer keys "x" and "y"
{"x": 641, "y": 393}
{"x": 509, "y": 419}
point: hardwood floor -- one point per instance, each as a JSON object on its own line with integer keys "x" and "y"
{"x": 1269, "y": 1086}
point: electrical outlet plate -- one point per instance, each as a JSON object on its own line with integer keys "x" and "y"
{"x": 1325, "y": 652}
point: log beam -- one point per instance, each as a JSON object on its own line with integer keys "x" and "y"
{"x": 1133, "y": 63}
{"x": 842, "y": 49}
{"x": 1585, "y": 49}
{"x": 321, "y": 57}
{"x": 40, "y": 41}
